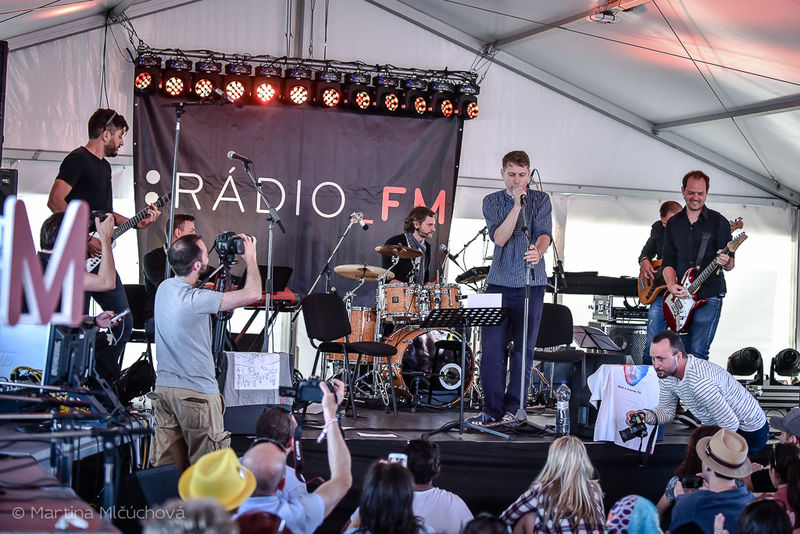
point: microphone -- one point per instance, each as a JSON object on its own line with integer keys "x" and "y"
{"x": 234, "y": 155}
{"x": 359, "y": 218}
{"x": 522, "y": 197}
{"x": 443, "y": 248}
{"x": 224, "y": 98}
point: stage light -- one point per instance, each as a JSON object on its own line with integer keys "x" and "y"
{"x": 415, "y": 99}
{"x": 206, "y": 77}
{"x": 785, "y": 363}
{"x": 147, "y": 75}
{"x": 467, "y": 103}
{"x": 442, "y": 99}
{"x": 387, "y": 96}
{"x": 328, "y": 92}
{"x": 745, "y": 362}
{"x": 297, "y": 86}
{"x": 266, "y": 84}
{"x": 177, "y": 78}
{"x": 359, "y": 95}
{"x": 237, "y": 82}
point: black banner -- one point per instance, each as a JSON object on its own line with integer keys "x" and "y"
{"x": 316, "y": 166}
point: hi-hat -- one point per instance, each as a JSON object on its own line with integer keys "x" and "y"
{"x": 357, "y": 271}
{"x": 405, "y": 253}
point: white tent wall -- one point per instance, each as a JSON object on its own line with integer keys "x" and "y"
{"x": 53, "y": 87}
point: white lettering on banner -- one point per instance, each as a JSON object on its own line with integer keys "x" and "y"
{"x": 277, "y": 206}
{"x": 192, "y": 192}
{"x": 314, "y": 199}
{"x": 21, "y": 269}
{"x": 235, "y": 198}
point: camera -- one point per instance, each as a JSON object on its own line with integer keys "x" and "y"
{"x": 398, "y": 458}
{"x": 306, "y": 390}
{"x": 638, "y": 428}
{"x": 96, "y": 214}
{"x": 228, "y": 245}
{"x": 691, "y": 482}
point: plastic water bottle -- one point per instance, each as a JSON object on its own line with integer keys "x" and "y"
{"x": 562, "y": 409}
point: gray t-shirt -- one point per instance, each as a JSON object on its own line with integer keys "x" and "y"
{"x": 183, "y": 336}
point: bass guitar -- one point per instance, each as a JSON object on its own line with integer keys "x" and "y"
{"x": 93, "y": 262}
{"x": 650, "y": 288}
{"x": 678, "y": 311}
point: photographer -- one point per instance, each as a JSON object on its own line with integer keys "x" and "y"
{"x": 187, "y": 404}
{"x": 706, "y": 389}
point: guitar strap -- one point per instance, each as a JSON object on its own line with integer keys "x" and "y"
{"x": 702, "y": 250}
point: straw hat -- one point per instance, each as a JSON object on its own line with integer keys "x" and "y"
{"x": 218, "y": 474}
{"x": 725, "y": 453}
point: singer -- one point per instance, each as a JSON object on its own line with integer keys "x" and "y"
{"x": 509, "y": 214}
{"x": 419, "y": 225}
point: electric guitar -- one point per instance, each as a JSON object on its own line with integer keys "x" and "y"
{"x": 678, "y": 311}
{"x": 649, "y": 289}
{"x": 93, "y": 262}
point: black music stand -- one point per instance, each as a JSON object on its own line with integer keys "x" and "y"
{"x": 589, "y": 337}
{"x": 464, "y": 318}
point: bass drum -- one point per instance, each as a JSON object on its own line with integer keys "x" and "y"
{"x": 428, "y": 363}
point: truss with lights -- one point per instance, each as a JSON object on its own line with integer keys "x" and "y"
{"x": 266, "y": 80}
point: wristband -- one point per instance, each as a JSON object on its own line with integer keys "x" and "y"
{"x": 324, "y": 432}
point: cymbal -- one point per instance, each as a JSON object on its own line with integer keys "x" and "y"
{"x": 400, "y": 251}
{"x": 357, "y": 271}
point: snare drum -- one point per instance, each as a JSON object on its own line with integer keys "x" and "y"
{"x": 362, "y": 328}
{"x": 401, "y": 303}
{"x": 433, "y": 356}
{"x": 443, "y": 296}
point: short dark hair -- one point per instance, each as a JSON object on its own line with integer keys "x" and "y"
{"x": 696, "y": 175}
{"x": 674, "y": 341}
{"x": 423, "y": 460}
{"x": 105, "y": 119}
{"x": 183, "y": 253}
{"x": 49, "y": 231}
{"x": 418, "y": 214}
{"x": 180, "y": 218}
{"x": 670, "y": 206}
{"x": 486, "y": 523}
{"x": 387, "y": 498}
{"x": 276, "y": 424}
{"x": 764, "y": 516}
{"x": 518, "y": 157}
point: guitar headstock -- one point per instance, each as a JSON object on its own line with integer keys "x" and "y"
{"x": 734, "y": 243}
{"x": 736, "y": 224}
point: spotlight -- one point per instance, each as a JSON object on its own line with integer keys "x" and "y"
{"x": 359, "y": 95}
{"x": 297, "y": 86}
{"x": 328, "y": 92}
{"x": 237, "y": 82}
{"x": 442, "y": 99}
{"x": 387, "y": 96}
{"x": 745, "y": 362}
{"x": 266, "y": 84}
{"x": 177, "y": 78}
{"x": 415, "y": 101}
{"x": 206, "y": 77}
{"x": 467, "y": 103}
{"x": 147, "y": 74}
{"x": 785, "y": 363}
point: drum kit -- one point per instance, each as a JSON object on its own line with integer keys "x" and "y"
{"x": 427, "y": 366}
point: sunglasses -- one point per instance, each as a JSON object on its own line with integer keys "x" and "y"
{"x": 108, "y": 122}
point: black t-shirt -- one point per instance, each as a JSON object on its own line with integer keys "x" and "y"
{"x": 90, "y": 178}
{"x": 652, "y": 248}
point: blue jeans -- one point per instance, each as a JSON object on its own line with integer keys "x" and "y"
{"x": 756, "y": 439}
{"x": 704, "y": 325}
{"x": 499, "y": 398}
{"x": 117, "y": 301}
{"x": 655, "y": 325}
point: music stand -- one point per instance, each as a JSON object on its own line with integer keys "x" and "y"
{"x": 589, "y": 337}
{"x": 464, "y": 318}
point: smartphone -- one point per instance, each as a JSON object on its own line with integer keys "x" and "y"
{"x": 115, "y": 319}
{"x": 398, "y": 458}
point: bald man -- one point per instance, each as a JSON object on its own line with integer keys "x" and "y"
{"x": 267, "y": 461}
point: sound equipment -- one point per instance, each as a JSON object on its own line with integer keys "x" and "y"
{"x": 631, "y": 338}
{"x": 8, "y": 185}
{"x": 142, "y": 491}
{"x": 582, "y": 415}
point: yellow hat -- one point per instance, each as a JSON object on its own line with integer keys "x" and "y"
{"x": 218, "y": 474}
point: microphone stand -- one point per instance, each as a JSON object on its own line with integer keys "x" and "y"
{"x": 558, "y": 265}
{"x": 272, "y": 220}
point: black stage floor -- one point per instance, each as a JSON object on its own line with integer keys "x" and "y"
{"x": 488, "y": 472}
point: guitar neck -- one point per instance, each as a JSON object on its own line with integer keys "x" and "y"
{"x": 710, "y": 268}
{"x": 139, "y": 217}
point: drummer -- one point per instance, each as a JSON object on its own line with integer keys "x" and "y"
{"x": 418, "y": 226}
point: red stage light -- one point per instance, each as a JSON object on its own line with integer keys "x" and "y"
{"x": 363, "y": 100}
{"x": 143, "y": 81}
{"x": 331, "y": 97}
{"x": 265, "y": 92}
{"x": 203, "y": 87}
{"x": 298, "y": 94}
{"x": 174, "y": 86}
{"x": 391, "y": 102}
{"x": 446, "y": 107}
{"x": 420, "y": 105}
{"x": 472, "y": 110}
{"x": 235, "y": 90}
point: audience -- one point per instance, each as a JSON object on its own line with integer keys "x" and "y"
{"x": 687, "y": 471}
{"x": 217, "y": 474}
{"x": 761, "y": 516}
{"x": 564, "y": 497}
{"x": 260, "y": 522}
{"x": 784, "y": 469}
{"x": 789, "y": 426}
{"x": 486, "y": 523}
{"x": 386, "y": 504}
{"x": 633, "y": 514}
{"x": 277, "y": 426}
{"x": 724, "y": 461}
{"x": 204, "y": 514}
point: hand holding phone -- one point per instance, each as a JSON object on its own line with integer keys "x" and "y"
{"x": 115, "y": 319}
{"x": 398, "y": 458}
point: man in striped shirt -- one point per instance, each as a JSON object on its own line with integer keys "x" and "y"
{"x": 519, "y": 224}
{"x": 706, "y": 389}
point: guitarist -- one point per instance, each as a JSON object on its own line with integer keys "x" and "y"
{"x": 85, "y": 174}
{"x": 693, "y": 238}
{"x": 650, "y": 252}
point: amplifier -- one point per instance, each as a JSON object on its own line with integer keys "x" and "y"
{"x": 630, "y": 337}
{"x": 603, "y": 309}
